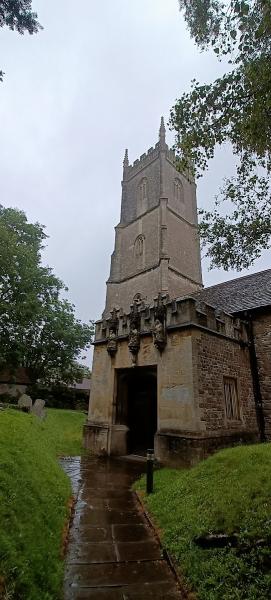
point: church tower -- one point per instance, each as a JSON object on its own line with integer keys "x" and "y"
{"x": 156, "y": 242}
{"x": 150, "y": 384}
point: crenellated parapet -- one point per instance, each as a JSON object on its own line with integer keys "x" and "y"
{"x": 165, "y": 315}
{"x": 148, "y": 157}
{"x": 141, "y": 163}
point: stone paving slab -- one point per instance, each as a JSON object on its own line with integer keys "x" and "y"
{"x": 132, "y": 533}
{"x": 101, "y": 492}
{"x": 160, "y": 591}
{"x": 130, "y": 551}
{"x": 109, "y": 517}
{"x": 91, "y": 552}
{"x": 90, "y": 534}
{"x": 113, "y": 553}
{"x": 119, "y": 574}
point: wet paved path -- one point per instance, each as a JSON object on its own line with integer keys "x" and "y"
{"x": 112, "y": 553}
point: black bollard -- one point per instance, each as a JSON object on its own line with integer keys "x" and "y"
{"x": 150, "y": 463}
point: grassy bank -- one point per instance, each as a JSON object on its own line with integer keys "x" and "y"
{"x": 228, "y": 493}
{"x": 34, "y": 494}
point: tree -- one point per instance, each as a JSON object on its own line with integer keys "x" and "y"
{"x": 235, "y": 108}
{"x": 18, "y": 15}
{"x": 38, "y": 328}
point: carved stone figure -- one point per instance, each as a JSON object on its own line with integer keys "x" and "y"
{"x": 159, "y": 329}
{"x": 134, "y": 335}
{"x": 112, "y": 345}
{"x": 159, "y": 337}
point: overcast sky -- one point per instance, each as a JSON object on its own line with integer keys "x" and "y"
{"x": 96, "y": 80}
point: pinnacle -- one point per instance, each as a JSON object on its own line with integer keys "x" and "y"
{"x": 126, "y": 159}
{"x": 162, "y": 131}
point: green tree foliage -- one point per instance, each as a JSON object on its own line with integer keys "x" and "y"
{"x": 235, "y": 108}
{"x": 18, "y": 15}
{"x": 38, "y": 328}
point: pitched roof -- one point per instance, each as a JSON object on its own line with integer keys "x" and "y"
{"x": 244, "y": 293}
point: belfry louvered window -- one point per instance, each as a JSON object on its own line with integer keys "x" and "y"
{"x": 231, "y": 399}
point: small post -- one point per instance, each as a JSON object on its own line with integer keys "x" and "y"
{"x": 150, "y": 463}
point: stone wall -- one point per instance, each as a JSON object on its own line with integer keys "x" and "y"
{"x": 12, "y": 389}
{"x": 176, "y": 407}
{"x": 186, "y": 206}
{"x": 148, "y": 227}
{"x": 262, "y": 339}
{"x": 214, "y": 359}
{"x": 203, "y": 346}
{"x": 149, "y": 168}
{"x": 179, "y": 285}
{"x": 183, "y": 247}
{"x": 188, "y": 450}
{"x": 121, "y": 295}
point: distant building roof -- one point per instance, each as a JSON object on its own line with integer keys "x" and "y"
{"x": 237, "y": 295}
{"x": 83, "y": 385}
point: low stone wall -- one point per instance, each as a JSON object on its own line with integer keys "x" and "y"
{"x": 14, "y": 390}
{"x": 185, "y": 451}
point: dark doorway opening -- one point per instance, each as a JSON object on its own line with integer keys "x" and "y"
{"x": 136, "y": 406}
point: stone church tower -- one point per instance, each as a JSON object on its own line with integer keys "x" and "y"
{"x": 156, "y": 243}
{"x": 175, "y": 365}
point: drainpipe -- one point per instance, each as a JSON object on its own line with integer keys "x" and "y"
{"x": 255, "y": 379}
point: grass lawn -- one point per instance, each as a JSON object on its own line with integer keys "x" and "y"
{"x": 228, "y": 493}
{"x": 34, "y": 495}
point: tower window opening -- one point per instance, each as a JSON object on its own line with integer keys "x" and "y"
{"x": 139, "y": 246}
{"x": 142, "y": 195}
{"x": 178, "y": 190}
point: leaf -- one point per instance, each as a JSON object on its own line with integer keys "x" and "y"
{"x": 234, "y": 109}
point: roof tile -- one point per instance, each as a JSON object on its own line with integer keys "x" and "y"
{"x": 244, "y": 293}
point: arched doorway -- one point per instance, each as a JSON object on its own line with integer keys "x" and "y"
{"x": 136, "y": 406}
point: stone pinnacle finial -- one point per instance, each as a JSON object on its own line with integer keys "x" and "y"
{"x": 162, "y": 132}
{"x": 126, "y": 159}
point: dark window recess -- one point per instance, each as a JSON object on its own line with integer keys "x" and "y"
{"x": 231, "y": 399}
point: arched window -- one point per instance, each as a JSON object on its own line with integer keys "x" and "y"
{"x": 139, "y": 246}
{"x": 142, "y": 196}
{"x": 178, "y": 190}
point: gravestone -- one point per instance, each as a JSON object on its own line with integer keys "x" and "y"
{"x": 38, "y": 408}
{"x": 25, "y": 403}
